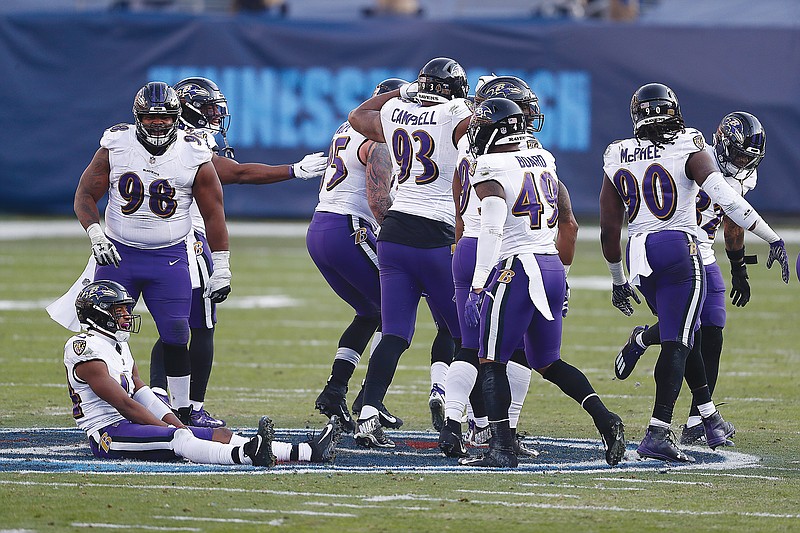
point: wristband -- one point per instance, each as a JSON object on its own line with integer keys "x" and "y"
{"x": 95, "y": 233}
{"x": 617, "y": 273}
{"x": 736, "y": 258}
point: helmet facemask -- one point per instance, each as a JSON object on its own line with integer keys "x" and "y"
{"x": 156, "y": 99}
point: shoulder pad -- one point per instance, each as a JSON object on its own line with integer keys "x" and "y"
{"x": 116, "y": 135}
{"x": 195, "y": 149}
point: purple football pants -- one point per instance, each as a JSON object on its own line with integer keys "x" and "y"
{"x": 509, "y": 316}
{"x": 405, "y": 274}
{"x": 713, "y": 312}
{"x": 161, "y": 276}
{"x": 126, "y": 440}
{"x": 344, "y": 249}
{"x": 463, "y": 269}
{"x": 677, "y": 286}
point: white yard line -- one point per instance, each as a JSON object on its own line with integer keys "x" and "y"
{"x": 132, "y": 527}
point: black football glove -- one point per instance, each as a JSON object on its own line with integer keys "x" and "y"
{"x": 620, "y": 295}
{"x": 740, "y": 287}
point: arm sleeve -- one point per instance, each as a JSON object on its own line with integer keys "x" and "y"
{"x": 150, "y": 401}
{"x": 493, "y": 216}
{"x": 737, "y": 208}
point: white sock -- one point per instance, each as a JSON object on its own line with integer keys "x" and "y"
{"x": 303, "y": 452}
{"x": 519, "y": 379}
{"x": 186, "y": 445}
{"x": 659, "y": 423}
{"x": 439, "y": 373}
{"x": 196, "y": 406}
{"x": 707, "y": 409}
{"x": 347, "y": 354}
{"x": 179, "y": 390}
{"x": 239, "y": 440}
{"x": 482, "y": 421}
{"x": 460, "y": 379}
{"x": 693, "y": 421}
{"x": 282, "y": 451}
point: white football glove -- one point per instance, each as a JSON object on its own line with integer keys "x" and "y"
{"x": 219, "y": 284}
{"x": 311, "y": 166}
{"x": 105, "y": 253}
{"x": 409, "y": 90}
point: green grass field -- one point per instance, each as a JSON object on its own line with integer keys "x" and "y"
{"x": 275, "y": 360}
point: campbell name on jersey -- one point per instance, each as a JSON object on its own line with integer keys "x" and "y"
{"x": 653, "y": 183}
{"x": 709, "y": 214}
{"x": 91, "y": 412}
{"x": 149, "y": 196}
{"x": 530, "y": 184}
{"x": 424, "y": 155}
{"x": 344, "y": 185}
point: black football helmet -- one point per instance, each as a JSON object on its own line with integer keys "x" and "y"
{"x": 516, "y": 90}
{"x": 389, "y": 84}
{"x": 494, "y": 122}
{"x": 156, "y": 98}
{"x": 656, "y": 114}
{"x": 740, "y": 143}
{"x": 98, "y": 307}
{"x": 203, "y": 105}
{"x": 441, "y": 80}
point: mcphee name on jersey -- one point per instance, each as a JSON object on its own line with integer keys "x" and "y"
{"x": 404, "y": 117}
{"x": 639, "y": 154}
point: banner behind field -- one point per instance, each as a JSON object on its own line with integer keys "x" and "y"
{"x": 290, "y": 84}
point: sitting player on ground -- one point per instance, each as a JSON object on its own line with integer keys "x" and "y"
{"x": 123, "y": 418}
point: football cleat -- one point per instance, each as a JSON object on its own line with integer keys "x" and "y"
{"x": 493, "y": 458}
{"x": 629, "y": 355}
{"x": 331, "y": 403}
{"x": 203, "y": 419}
{"x": 717, "y": 430}
{"x": 387, "y": 419}
{"x": 323, "y": 445}
{"x": 613, "y": 437}
{"x": 692, "y": 435}
{"x": 450, "y": 441}
{"x": 162, "y": 395}
{"x": 521, "y": 450}
{"x": 659, "y": 443}
{"x": 478, "y": 435}
{"x": 436, "y": 405}
{"x": 259, "y": 449}
{"x": 184, "y": 414}
{"x": 369, "y": 434}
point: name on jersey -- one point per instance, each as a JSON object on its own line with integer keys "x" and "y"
{"x": 531, "y": 161}
{"x": 405, "y": 118}
{"x": 639, "y": 154}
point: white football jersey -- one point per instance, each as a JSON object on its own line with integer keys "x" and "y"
{"x": 344, "y": 186}
{"x": 198, "y": 224}
{"x": 530, "y": 183}
{"x": 652, "y": 182}
{"x": 709, "y": 214}
{"x": 149, "y": 196}
{"x": 468, "y": 201}
{"x": 424, "y": 155}
{"x": 91, "y": 412}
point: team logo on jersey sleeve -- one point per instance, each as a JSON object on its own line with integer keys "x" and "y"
{"x": 79, "y": 346}
{"x": 699, "y": 141}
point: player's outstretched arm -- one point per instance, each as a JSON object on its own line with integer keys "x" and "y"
{"x": 366, "y": 118}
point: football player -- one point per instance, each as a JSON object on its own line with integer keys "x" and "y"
{"x": 520, "y": 194}
{"x": 462, "y": 378}
{"x": 739, "y": 146}
{"x": 204, "y": 114}
{"x": 654, "y": 179}
{"x": 354, "y": 198}
{"x": 123, "y": 418}
{"x": 152, "y": 172}
{"x": 421, "y": 123}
